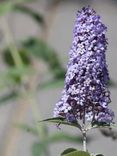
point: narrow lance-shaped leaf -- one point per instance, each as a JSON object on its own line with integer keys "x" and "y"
{"x": 26, "y": 128}
{"x": 41, "y": 50}
{"x": 53, "y": 138}
{"x": 36, "y": 16}
{"x": 63, "y": 121}
{"x": 7, "y": 97}
{"x": 8, "y": 59}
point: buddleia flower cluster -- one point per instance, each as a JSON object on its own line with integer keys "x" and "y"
{"x": 86, "y": 96}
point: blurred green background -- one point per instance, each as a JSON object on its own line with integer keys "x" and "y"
{"x": 35, "y": 37}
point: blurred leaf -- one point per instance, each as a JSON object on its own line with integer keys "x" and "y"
{"x": 36, "y": 16}
{"x": 23, "y": 1}
{"x": 60, "y": 120}
{"x": 51, "y": 84}
{"x": 109, "y": 132}
{"x": 10, "y": 96}
{"x": 101, "y": 125}
{"x": 111, "y": 83}
{"x": 69, "y": 150}
{"x": 13, "y": 75}
{"x": 27, "y": 128}
{"x": 77, "y": 153}
{"x": 55, "y": 137}
{"x": 41, "y": 50}
{"x": 63, "y": 136}
{"x": 14, "y": 72}
{"x": 38, "y": 149}
{"x": 5, "y": 7}
{"x": 7, "y": 57}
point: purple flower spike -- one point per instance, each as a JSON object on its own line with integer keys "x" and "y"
{"x": 86, "y": 96}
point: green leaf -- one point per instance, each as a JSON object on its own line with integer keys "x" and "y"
{"x": 111, "y": 83}
{"x": 69, "y": 150}
{"x": 41, "y": 50}
{"x": 98, "y": 155}
{"x": 38, "y": 149}
{"x": 63, "y": 136}
{"x": 8, "y": 59}
{"x": 51, "y": 84}
{"x": 7, "y": 97}
{"x": 36, "y": 16}
{"x": 12, "y": 76}
{"x": 77, "y": 153}
{"x": 56, "y": 137}
{"x": 61, "y": 120}
{"x": 5, "y": 7}
{"x": 26, "y": 128}
{"x": 100, "y": 125}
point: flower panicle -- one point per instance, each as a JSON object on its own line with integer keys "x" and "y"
{"x": 86, "y": 95}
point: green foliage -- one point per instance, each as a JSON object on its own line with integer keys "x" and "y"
{"x": 51, "y": 84}
{"x": 7, "y": 57}
{"x": 27, "y": 128}
{"x": 7, "y": 97}
{"x": 5, "y": 7}
{"x": 111, "y": 83}
{"x": 50, "y": 139}
{"x": 99, "y": 124}
{"x": 63, "y": 136}
{"x": 35, "y": 16}
{"x": 12, "y": 76}
{"x": 41, "y": 50}
{"x": 68, "y": 150}
{"x": 38, "y": 149}
{"x": 13, "y": 73}
{"x": 60, "y": 120}
{"x": 73, "y": 152}
{"x": 102, "y": 125}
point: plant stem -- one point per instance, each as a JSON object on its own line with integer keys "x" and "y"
{"x": 27, "y": 97}
{"x": 12, "y": 47}
{"x": 40, "y": 127}
{"x": 84, "y": 141}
